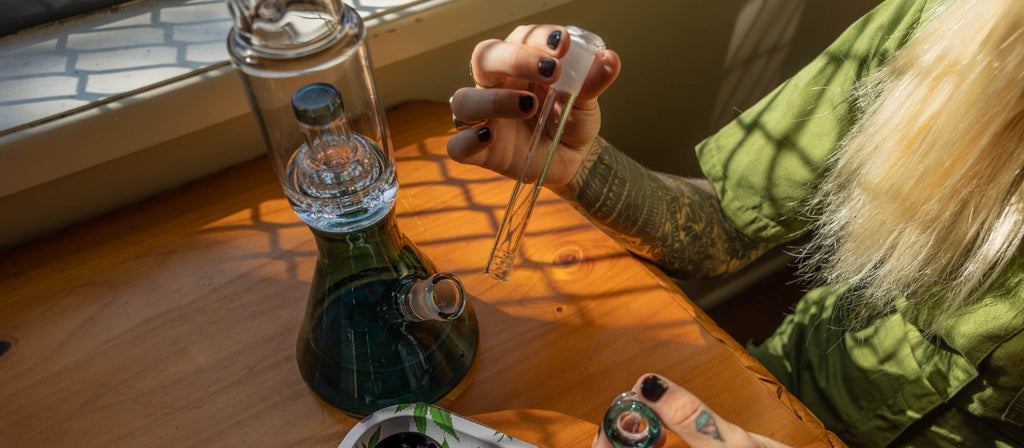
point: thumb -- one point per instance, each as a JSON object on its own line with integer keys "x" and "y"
{"x": 602, "y": 74}
{"x": 686, "y": 415}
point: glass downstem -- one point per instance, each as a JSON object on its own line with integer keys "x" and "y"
{"x": 546, "y": 134}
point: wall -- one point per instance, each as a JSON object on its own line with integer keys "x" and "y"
{"x": 688, "y": 65}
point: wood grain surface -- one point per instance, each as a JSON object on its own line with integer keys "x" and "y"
{"x": 172, "y": 323}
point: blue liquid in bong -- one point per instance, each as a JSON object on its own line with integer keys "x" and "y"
{"x": 342, "y": 186}
{"x": 359, "y": 360}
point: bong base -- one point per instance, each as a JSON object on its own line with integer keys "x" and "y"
{"x": 373, "y": 369}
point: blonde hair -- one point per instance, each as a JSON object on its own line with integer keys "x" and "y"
{"x": 924, "y": 200}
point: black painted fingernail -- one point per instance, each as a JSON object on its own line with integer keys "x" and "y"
{"x": 525, "y": 103}
{"x": 652, "y": 388}
{"x": 554, "y": 38}
{"x": 483, "y": 134}
{"x": 547, "y": 67}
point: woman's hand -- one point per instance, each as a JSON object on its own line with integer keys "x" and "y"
{"x": 686, "y": 415}
{"x": 512, "y": 78}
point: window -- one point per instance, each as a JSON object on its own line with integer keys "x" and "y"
{"x": 16, "y": 15}
{"x": 57, "y": 70}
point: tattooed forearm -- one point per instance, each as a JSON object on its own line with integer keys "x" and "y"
{"x": 674, "y": 222}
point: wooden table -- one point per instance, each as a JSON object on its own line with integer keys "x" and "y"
{"x": 173, "y": 322}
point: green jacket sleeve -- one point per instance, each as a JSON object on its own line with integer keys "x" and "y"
{"x": 765, "y": 162}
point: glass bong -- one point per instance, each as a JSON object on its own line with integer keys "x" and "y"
{"x": 381, "y": 326}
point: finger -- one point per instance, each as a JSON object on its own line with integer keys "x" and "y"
{"x": 494, "y": 60}
{"x": 601, "y": 440}
{"x": 686, "y": 415}
{"x": 469, "y": 104}
{"x": 467, "y": 146}
{"x": 602, "y": 74}
{"x": 552, "y": 39}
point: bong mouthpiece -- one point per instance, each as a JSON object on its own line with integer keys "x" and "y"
{"x": 438, "y": 297}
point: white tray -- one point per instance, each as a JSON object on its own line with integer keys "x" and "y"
{"x": 449, "y": 430}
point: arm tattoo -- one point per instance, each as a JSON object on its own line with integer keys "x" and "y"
{"x": 706, "y": 425}
{"x": 674, "y": 222}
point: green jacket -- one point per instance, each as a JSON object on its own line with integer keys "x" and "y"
{"x": 884, "y": 384}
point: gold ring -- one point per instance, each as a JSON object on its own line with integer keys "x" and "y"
{"x": 459, "y": 124}
{"x": 500, "y": 83}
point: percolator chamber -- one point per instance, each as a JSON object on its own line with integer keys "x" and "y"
{"x": 280, "y": 46}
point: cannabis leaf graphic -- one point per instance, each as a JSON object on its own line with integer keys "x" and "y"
{"x": 443, "y": 420}
{"x": 373, "y": 439}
